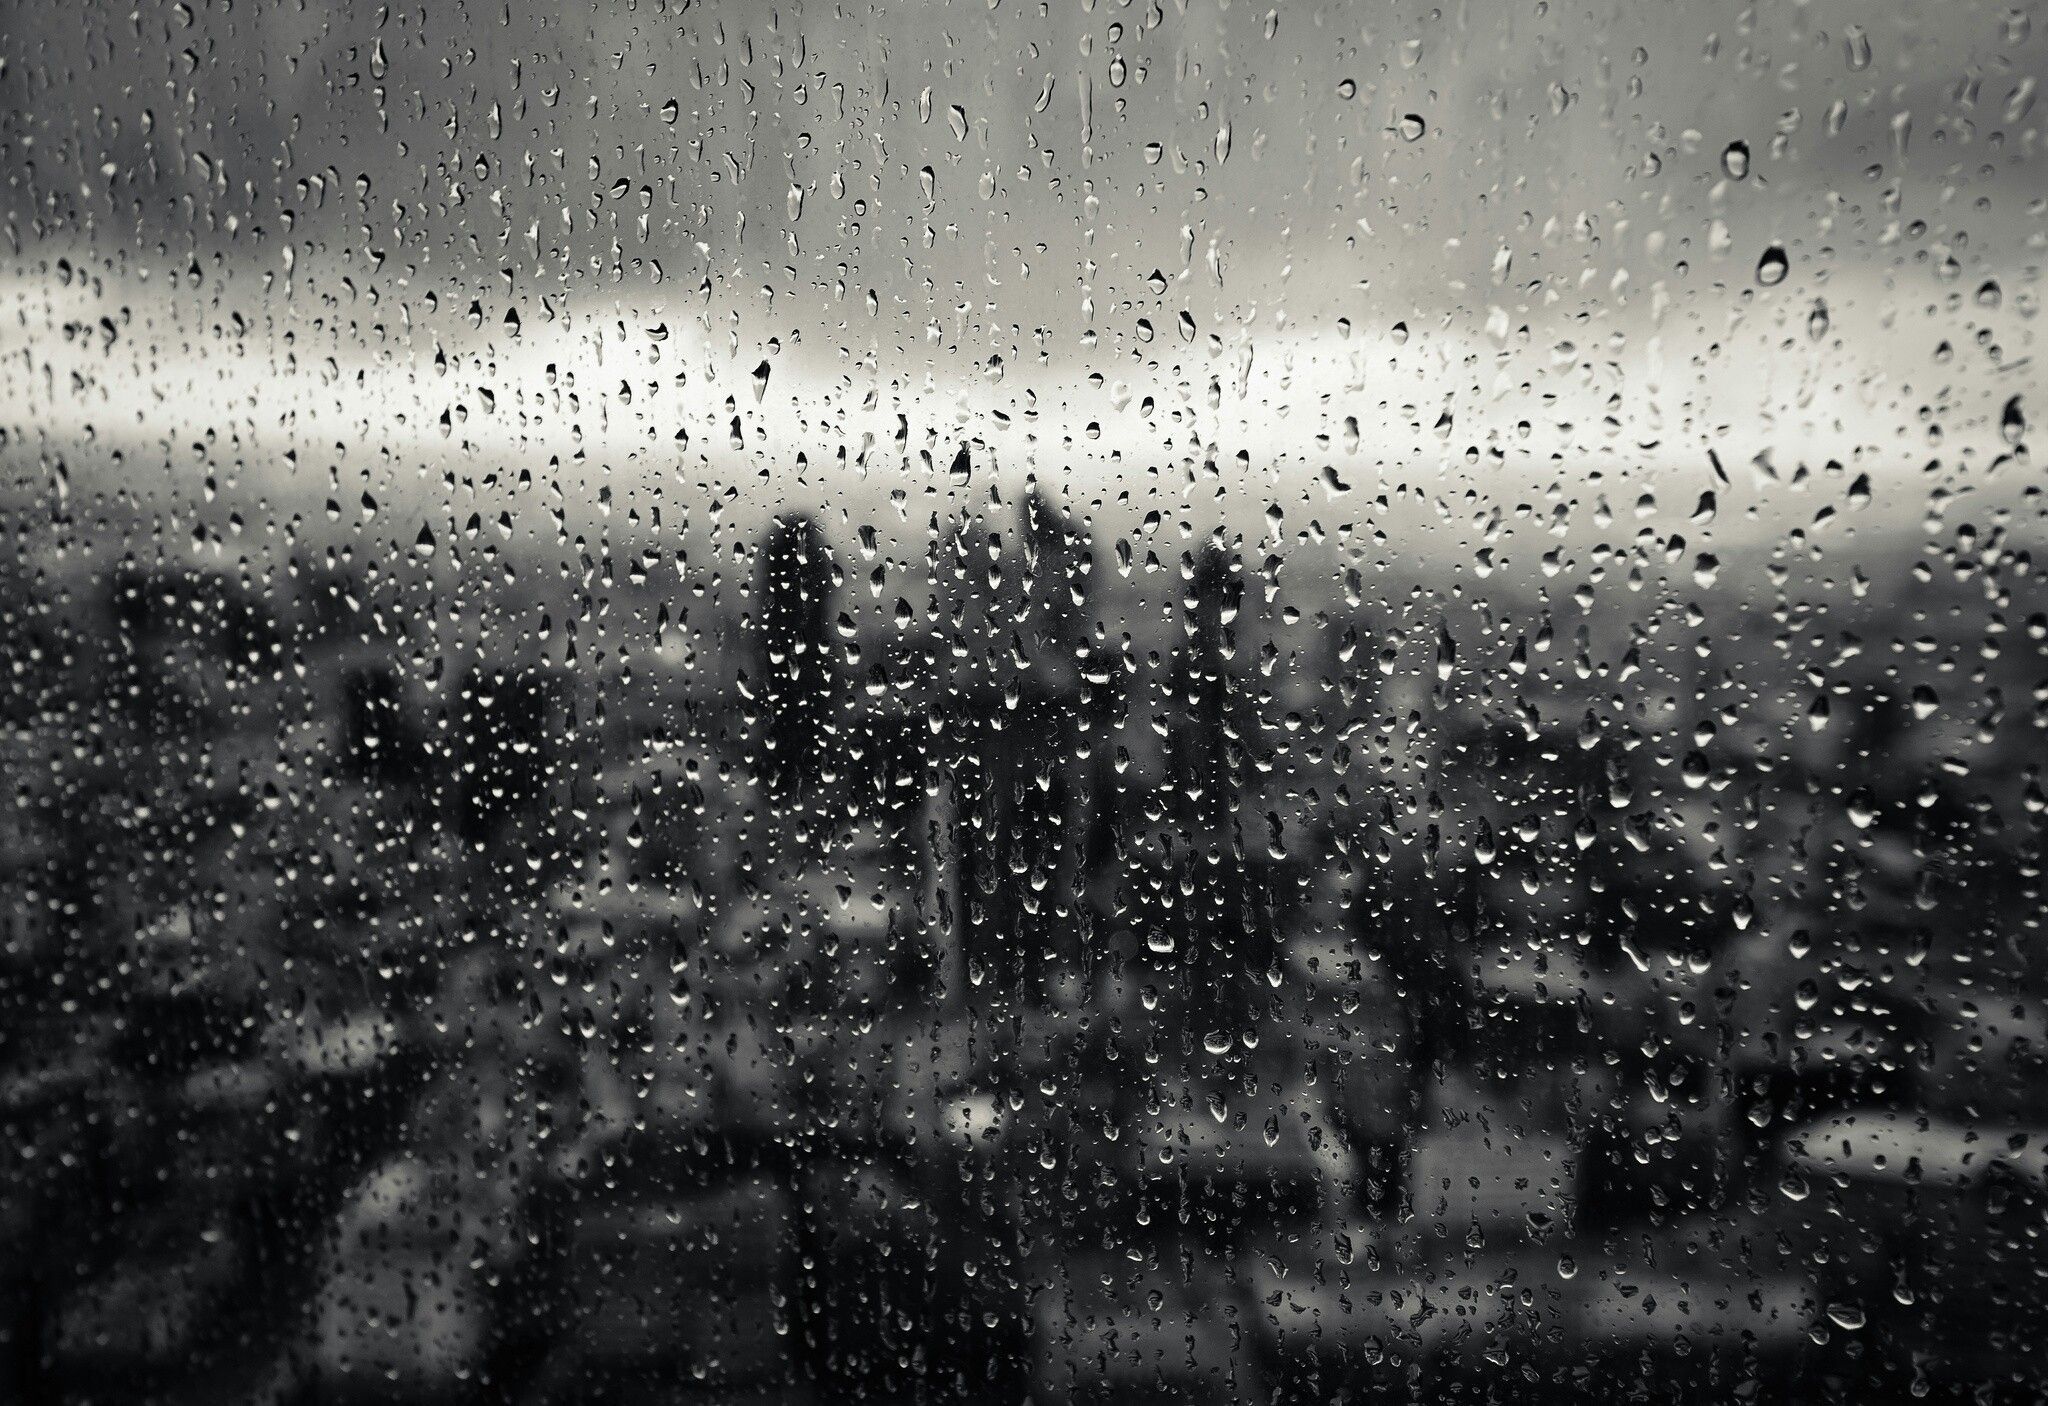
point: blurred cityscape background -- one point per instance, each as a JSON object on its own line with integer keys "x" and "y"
{"x": 1097, "y": 979}
{"x": 1200, "y": 701}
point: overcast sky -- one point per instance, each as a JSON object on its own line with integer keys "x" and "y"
{"x": 1506, "y": 241}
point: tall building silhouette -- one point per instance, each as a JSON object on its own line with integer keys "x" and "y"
{"x": 1014, "y": 724}
{"x": 1226, "y": 903}
{"x": 792, "y": 665}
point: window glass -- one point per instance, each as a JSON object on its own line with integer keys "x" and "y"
{"x": 1171, "y": 700}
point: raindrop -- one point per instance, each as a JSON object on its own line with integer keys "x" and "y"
{"x": 2012, "y": 422}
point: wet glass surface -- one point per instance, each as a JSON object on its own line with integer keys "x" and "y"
{"x": 1144, "y": 700}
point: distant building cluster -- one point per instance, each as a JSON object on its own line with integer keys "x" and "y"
{"x": 1005, "y": 988}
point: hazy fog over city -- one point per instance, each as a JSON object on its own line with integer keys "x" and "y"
{"x": 1131, "y": 700}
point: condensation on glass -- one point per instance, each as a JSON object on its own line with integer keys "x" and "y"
{"x": 1163, "y": 700}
